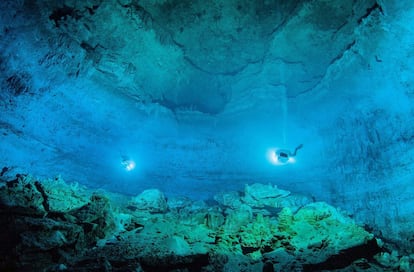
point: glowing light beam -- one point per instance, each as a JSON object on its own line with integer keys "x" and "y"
{"x": 129, "y": 165}
{"x": 277, "y": 156}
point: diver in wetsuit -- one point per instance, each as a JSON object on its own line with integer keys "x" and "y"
{"x": 283, "y": 155}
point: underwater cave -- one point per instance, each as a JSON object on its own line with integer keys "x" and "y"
{"x": 168, "y": 135}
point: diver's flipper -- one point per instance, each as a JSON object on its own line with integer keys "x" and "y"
{"x": 296, "y": 149}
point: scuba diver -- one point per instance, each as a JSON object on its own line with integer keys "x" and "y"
{"x": 127, "y": 163}
{"x": 284, "y": 155}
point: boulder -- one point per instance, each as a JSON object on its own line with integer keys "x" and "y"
{"x": 178, "y": 246}
{"x": 228, "y": 199}
{"x": 259, "y": 195}
{"x": 152, "y": 200}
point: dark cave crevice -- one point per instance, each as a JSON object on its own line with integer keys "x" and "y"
{"x": 346, "y": 257}
{"x": 370, "y": 11}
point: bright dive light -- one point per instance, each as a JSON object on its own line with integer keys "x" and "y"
{"x": 282, "y": 155}
{"x": 279, "y": 156}
{"x": 128, "y": 164}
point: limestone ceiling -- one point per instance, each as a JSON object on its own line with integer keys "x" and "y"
{"x": 198, "y": 55}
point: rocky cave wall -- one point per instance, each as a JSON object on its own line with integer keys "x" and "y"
{"x": 86, "y": 82}
{"x": 374, "y": 135}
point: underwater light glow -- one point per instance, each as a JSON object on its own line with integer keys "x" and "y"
{"x": 129, "y": 165}
{"x": 277, "y": 156}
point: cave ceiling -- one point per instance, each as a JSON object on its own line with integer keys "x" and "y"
{"x": 196, "y": 55}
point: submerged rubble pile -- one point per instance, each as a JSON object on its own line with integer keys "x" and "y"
{"x": 55, "y": 226}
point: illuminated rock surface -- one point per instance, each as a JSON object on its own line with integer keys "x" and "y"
{"x": 108, "y": 232}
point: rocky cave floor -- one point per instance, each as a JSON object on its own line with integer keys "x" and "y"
{"x": 51, "y": 225}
